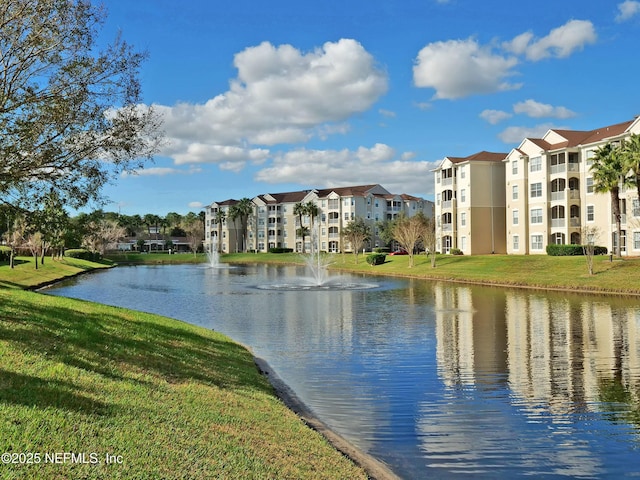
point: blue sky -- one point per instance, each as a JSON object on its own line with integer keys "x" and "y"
{"x": 284, "y": 95}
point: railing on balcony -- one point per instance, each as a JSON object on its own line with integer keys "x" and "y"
{"x": 573, "y": 167}
{"x": 447, "y": 204}
{"x": 575, "y": 221}
{"x": 574, "y": 194}
{"x": 447, "y": 181}
{"x": 447, "y": 227}
{"x": 557, "y": 195}
{"x": 557, "y": 222}
{"x": 558, "y": 168}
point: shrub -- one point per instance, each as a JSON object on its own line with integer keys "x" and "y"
{"x": 376, "y": 258}
{"x": 5, "y": 253}
{"x": 572, "y": 250}
{"x": 83, "y": 254}
{"x": 456, "y": 251}
{"x": 280, "y": 250}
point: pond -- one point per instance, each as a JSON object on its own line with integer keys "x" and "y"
{"x": 437, "y": 380}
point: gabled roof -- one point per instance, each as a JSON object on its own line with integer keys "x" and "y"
{"x": 482, "y": 156}
{"x": 355, "y": 191}
{"x": 286, "y": 197}
{"x": 577, "y": 138}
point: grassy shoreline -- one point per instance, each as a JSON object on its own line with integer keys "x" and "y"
{"x": 618, "y": 276}
{"x": 135, "y": 395}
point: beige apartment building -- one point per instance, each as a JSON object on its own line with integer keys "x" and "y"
{"x": 274, "y": 224}
{"x": 550, "y": 192}
{"x": 470, "y": 204}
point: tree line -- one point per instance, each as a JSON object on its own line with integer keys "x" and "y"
{"x": 51, "y": 230}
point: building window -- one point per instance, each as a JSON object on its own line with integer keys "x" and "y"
{"x": 463, "y": 243}
{"x": 463, "y": 219}
{"x": 463, "y": 195}
{"x": 462, "y": 172}
{"x": 535, "y": 164}
{"x": 516, "y": 242}
{"x": 636, "y": 240}
{"x": 514, "y": 192}
{"x": 514, "y": 167}
{"x": 589, "y": 184}
{"x": 536, "y": 215}
{"x": 536, "y": 190}
{"x": 516, "y": 217}
{"x": 591, "y": 213}
{"x": 536, "y": 242}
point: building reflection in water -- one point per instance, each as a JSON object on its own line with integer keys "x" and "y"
{"x": 549, "y": 357}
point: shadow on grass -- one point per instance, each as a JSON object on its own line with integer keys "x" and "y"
{"x": 33, "y": 391}
{"x": 120, "y": 344}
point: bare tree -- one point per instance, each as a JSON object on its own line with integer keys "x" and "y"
{"x": 15, "y": 238}
{"x": 356, "y": 233}
{"x": 194, "y": 230}
{"x": 589, "y": 237}
{"x": 429, "y": 240}
{"x": 102, "y": 234}
{"x": 409, "y": 231}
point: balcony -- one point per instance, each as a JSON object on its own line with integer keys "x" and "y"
{"x": 574, "y": 194}
{"x": 559, "y": 168}
{"x": 558, "y": 222}
{"x": 556, "y": 196}
{"x": 447, "y": 181}
{"x": 447, "y": 227}
{"x": 574, "y": 222}
{"x": 448, "y": 204}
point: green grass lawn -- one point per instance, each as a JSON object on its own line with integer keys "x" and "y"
{"x": 167, "y": 399}
{"x": 539, "y": 271}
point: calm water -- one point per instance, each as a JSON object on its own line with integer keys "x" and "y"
{"x": 436, "y": 380}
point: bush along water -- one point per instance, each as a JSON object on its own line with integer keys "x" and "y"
{"x": 376, "y": 258}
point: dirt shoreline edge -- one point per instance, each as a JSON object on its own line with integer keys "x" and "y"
{"x": 375, "y": 469}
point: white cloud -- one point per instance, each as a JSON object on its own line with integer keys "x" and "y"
{"x": 162, "y": 171}
{"x": 535, "y": 109}
{"x": 559, "y": 43}
{"x": 494, "y": 116}
{"x": 280, "y": 96}
{"x": 458, "y": 68}
{"x": 335, "y": 168}
{"x": 387, "y": 113}
{"x": 517, "y": 134}
{"x": 196, "y": 205}
{"x": 627, "y": 10}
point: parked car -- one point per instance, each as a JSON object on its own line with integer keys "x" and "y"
{"x": 399, "y": 252}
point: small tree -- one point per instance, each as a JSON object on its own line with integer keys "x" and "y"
{"x": 589, "y": 237}
{"x": 194, "y": 229}
{"x": 409, "y": 231}
{"x": 15, "y": 238}
{"x": 356, "y": 233}
{"x": 102, "y": 233}
{"x": 429, "y": 240}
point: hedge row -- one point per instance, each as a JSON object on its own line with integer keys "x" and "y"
{"x": 280, "y": 250}
{"x": 571, "y": 250}
{"x": 83, "y": 254}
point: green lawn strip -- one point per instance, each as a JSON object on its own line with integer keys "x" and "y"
{"x": 536, "y": 271}
{"x": 170, "y": 399}
{"x": 25, "y": 275}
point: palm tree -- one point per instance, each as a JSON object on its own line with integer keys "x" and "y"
{"x": 244, "y": 210}
{"x": 219, "y": 220}
{"x": 631, "y": 159}
{"x": 311, "y": 209}
{"x": 300, "y": 209}
{"x": 608, "y": 175}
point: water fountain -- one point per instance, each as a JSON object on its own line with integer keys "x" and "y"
{"x": 317, "y": 264}
{"x": 214, "y": 256}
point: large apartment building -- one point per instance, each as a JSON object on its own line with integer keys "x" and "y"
{"x": 540, "y": 193}
{"x": 550, "y": 192}
{"x": 470, "y": 204}
{"x": 274, "y": 224}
